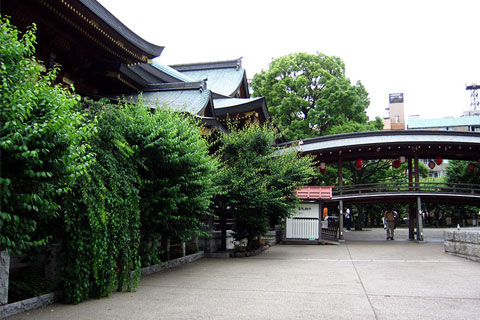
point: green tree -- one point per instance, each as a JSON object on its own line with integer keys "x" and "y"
{"x": 258, "y": 180}
{"x": 308, "y": 94}
{"x": 177, "y": 176}
{"x": 41, "y": 142}
{"x": 457, "y": 172}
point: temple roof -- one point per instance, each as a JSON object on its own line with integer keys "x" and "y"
{"x": 172, "y": 72}
{"x": 150, "y": 50}
{"x": 224, "y": 106}
{"x": 189, "y": 97}
{"x": 145, "y": 74}
{"x": 224, "y": 77}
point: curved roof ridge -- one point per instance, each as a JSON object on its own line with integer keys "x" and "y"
{"x": 172, "y": 72}
{"x": 108, "y": 18}
{"x": 235, "y": 63}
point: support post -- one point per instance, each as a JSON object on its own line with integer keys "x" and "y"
{"x": 340, "y": 175}
{"x": 411, "y": 209}
{"x": 411, "y": 221}
{"x": 320, "y": 212}
{"x": 417, "y": 173}
{"x": 419, "y": 220}
{"x": 340, "y": 221}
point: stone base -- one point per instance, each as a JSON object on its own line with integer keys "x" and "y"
{"x": 465, "y": 244}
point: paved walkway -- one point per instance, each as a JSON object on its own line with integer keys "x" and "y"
{"x": 374, "y": 279}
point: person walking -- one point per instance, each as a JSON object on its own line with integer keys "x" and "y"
{"x": 390, "y": 216}
{"x": 348, "y": 218}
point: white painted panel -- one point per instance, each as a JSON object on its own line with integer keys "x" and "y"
{"x": 302, "y": 228}
{"x": 307, "y": 210}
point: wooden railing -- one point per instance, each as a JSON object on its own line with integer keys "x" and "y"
{"x": 420, "y": 187}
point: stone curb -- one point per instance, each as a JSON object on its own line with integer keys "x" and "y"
{"x": 172, "y": 263}
{"x": 28, "y": 304}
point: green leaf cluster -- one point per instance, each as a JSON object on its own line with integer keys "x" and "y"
{"x": 177, "y": 176}
{"x": 102, "y": 213}
{"x": 308, "y": 94}
{"x": 42, "y": 142}
{"x": 258, "y": 180}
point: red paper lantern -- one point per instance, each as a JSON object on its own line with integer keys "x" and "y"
{"x": 323, "y": 170}
{"x": 431, "y": 164}
{"x": 359, "y": 163}
{"x": 438, "y": 160}
{"x": 396, "y": 164}
{"x": 471, "y": 166}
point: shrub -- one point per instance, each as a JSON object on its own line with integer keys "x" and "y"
{"x": 41, "y": 142}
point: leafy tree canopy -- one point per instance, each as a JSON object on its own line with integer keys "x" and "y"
{"x": 258, "y": 181}
{"x": 308, "y": 95}
{"x": 457, "y": 172}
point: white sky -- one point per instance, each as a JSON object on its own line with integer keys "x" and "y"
{"x": 429, "y": 50}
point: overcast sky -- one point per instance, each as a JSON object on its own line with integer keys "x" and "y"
{"x": 428, "y": 50}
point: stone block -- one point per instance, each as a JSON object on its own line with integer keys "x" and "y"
{"x": 449, "y": 246}
{"x": 11, "y": 309}
{"x": 476, "y": 250}
{"x": 476, "y": 237}
{"x": 469, "y": 237}
{"x": 4, "y": 275}
{"x": 448, "y": 235}
{"x": 459, "y": 236}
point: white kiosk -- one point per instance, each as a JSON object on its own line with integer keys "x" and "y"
{"x": 306, "y": 223}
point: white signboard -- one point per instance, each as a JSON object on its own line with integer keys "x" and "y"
{"x": 307, "y": 210}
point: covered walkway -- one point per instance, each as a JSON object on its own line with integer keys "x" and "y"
{"x": 353, "y": 280}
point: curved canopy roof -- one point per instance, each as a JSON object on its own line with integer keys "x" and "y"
{"x": 392, "y": 144}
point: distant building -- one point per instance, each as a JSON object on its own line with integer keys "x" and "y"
{"x": 464, "y": 123}
{"x": 396, "y": 113}
{"x": 470, "y": 121}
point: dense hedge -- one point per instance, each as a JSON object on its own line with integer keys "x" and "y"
{"x": 111, "y": 180}
{"x": 42, "y": 137}
{"x": 177, "y": 176}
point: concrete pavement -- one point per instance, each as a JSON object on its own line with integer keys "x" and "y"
{"x": 366, "y": 277}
